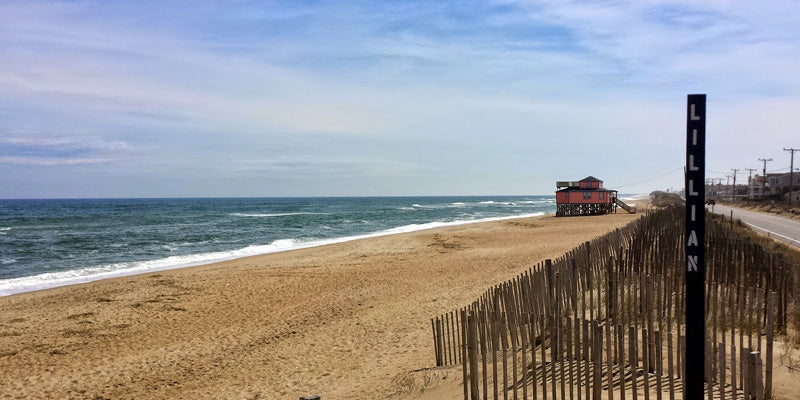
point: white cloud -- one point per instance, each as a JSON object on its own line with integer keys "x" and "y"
{"x": 53, "y": 161}
{"x": 529, "y": 81}
{"x": 44, "y": 150}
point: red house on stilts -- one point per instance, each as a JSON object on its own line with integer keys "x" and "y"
{"x": 586, "y": 197}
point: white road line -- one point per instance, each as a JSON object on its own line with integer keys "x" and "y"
{"x": 773, "y": 233}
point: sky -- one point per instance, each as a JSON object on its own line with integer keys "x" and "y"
{"x": 386, "y": 98}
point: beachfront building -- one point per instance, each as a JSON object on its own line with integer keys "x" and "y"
{"x": 586, "y": 197}
{"x": 777, "y": 184}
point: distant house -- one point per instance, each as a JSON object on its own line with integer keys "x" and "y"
{"x": 586, "y": 197}
{"x": 776, "y": 184}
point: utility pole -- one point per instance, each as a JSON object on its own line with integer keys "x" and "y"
{"x": 733, "y": 195}
{"x": 764, "y": 177}
{"x": 750, "y": 179}
{"x": 791, "y": 174}
{"x": 728, "y": 182}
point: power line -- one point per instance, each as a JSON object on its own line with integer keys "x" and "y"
{"x": 651, "y": 179}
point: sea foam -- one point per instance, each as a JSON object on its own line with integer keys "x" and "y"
{"x": 94, "y": 273}
{"x": 275, "y": 214}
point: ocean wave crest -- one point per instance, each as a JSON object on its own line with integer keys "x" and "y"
{"x": 89, "y": 274}
{"x": 93, "y": 273}
{"x": 275, "y": 214}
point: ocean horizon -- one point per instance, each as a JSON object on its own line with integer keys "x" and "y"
{"x": 47, "y": 243}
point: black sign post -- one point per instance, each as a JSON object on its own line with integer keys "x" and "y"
{"x": 695, "y": 245}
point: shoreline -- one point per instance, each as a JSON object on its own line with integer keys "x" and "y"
{"x": 34, "y": 283}
{"x": 343, "y": 321}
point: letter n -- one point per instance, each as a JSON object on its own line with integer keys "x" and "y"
{"x": 692, "y": 264}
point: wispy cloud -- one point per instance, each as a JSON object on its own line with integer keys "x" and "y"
{"x": 438, "y": 82}
{"x": 51, "y": 151}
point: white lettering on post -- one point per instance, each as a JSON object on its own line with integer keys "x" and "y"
{"x": 692, "y": 239}
{"x": 693, "y": 214}
{"x": 694, "y": 137}
{"x": 694, "y": 117}
{"x": 691, "y": 265}
{"x": 691, "y": 188}
{"x": 692, "y": 167}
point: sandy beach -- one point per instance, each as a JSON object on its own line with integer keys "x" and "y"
{"x": 344, "y": 321}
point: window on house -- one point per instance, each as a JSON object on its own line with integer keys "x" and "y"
{"x": 601, "y": 195}
{"x": 587, "y": 195}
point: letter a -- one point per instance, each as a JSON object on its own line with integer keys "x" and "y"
{"x": 692, "y": 239}
{"x": 692, "y": 264}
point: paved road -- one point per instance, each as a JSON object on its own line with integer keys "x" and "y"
{"x": 786, "y": 230}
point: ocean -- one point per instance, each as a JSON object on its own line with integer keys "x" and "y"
{"x": 50, "y": 243}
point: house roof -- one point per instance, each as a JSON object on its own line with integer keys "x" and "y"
{"x": 577, "y": 189}
{"x": 590, "y": 179}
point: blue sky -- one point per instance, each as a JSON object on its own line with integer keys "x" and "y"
{"x": 333, "y": 98}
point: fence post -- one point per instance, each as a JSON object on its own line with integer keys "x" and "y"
{"x": 435, "y": 343}
{"x": 670, "y": 369}
{"x": 770, "y": 338}
{"x": 744, "y": 375}
{"x": 646, "y": 362}
{"x": 495, "y": 345}
{"x": 465, "y": 354}
{"x": 484, "y": 339}
{"x": 634, "y": 363}
{"x": 721, "y": 371}
{"x": 751, "y": 374}
{"x": 709, "y": 369}
{"x": 448, "y": 352}
{"x": 659, "y": 364}
{"x": 759, "y": 386}
{"x": 578, "y": 357}
{"x": 597, "y": 349}
{"x": 523, "y": 336}
{"x": 473, "y": 356}
{"x": 609, "y": 360}
{"x": 651, "y": 346}
{"x": 733, "y": 370}
{"x": 621, "y": 361}
{"x": 553, "y": 346}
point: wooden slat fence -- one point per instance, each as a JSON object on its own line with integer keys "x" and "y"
{"x": 606, "y": 318}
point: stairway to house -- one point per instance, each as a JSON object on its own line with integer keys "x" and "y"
{"x": 626, "y": 207}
